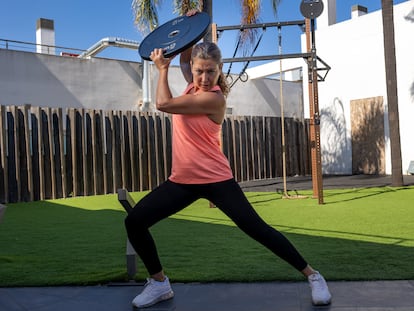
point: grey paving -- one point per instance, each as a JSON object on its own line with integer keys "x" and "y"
{"x": 273, "y": 296}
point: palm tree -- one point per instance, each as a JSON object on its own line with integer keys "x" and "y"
{"x": 392, "y": 98}
{"x": 146, "y": 17}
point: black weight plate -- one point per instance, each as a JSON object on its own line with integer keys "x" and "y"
{"x": 311, "y": 8}
{"x": 175, "y": 35}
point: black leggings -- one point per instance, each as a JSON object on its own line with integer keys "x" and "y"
{"x": 169, "y": 198}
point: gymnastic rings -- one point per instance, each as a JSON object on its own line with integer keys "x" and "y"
{"x": 244, "y": 76}
{"x": 229, "y": 79}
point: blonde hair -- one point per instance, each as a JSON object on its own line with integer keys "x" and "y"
{"x": 210, "y": 50}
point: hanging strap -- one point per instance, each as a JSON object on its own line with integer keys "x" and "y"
{"x": 234, "y": 54}
{"x": 243, "y": 72}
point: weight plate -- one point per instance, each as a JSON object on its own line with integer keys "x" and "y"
{"x": 175, "y": 35}
{"x": 311, "y": 8}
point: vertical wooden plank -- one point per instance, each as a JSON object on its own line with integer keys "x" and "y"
{"x": 296, "y": 152}
{"x": 4, "y": 165}
{"x": 308, "y": 147}
{"x": 75, "y": 172}
{"x": 21, "y": 156}
{"x": 131, "y": 149}
{"x": 148, "y": 150}
{"x": 233, "y": 149}
{"x": 246, "y": 151}
{"x": 249, "y": 150}
{"x": 63, "y": 175}
{"x": 146, "y": 178}
{"x": 104, "y": 151}
{"x": 158, "y": 148}
{"x": 17, "y": 151}
{"x": 95, "y": 146}
{"x": 273, "y": 146}
{"x": 56, "y": 152}
{"x": 268, "y": 146}
{"x": 109, "y": 132}
{"x": 51, "y": 151}
{"x": 151, "y": 152}
{"x": 136, "y": 149}
{"x": 35, "y": 149}
{"x": 230, "y": 141}
{"x": 224, "y": 136}
{"x": 27, "y": 134}
{"x": 46, "y": 154}
{"x": 41, "y": 154}
{"x": 237, "y": 150}
{"x": 290, "y": 148}
{"x": 166, "y": 151}
{"x": 113, "y": 154}
{"x": 303, "y": 147}
{"x": 100, "y": 151}
{"x": 260, "y": 143}
{"x": 263, "y": 148}
{"x": 140, "y": 152}
{"x": 287, "y": 146}
{"x": 243, "y": 146}
{"x": 84, "y": 153}
{"x": 253, "y": 144}
{"x": 123, "y": 141}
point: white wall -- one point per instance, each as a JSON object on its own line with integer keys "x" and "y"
{"x": 56, "y": 81}
{"x": 98, "y": 83}
{"x": 354, "y": 50}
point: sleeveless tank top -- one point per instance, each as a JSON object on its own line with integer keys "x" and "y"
{"x": 196, "y": 152}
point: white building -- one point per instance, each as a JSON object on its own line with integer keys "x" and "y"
{"x": 353, "y": 98}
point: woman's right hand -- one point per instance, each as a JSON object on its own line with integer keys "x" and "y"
{"x": 192, "y": 12}
{"x": 157, "y": 56}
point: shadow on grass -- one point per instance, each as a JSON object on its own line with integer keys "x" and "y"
{"x": 331, "y": 196}
{"x": 51, "y": 244}
{"x": 357, "y": 194}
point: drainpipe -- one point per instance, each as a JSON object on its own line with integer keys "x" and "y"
{"x": 110, "y": 41}
{"x": 146, "y": 94}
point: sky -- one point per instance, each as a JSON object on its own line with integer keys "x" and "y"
{"x": 79, "y": 24}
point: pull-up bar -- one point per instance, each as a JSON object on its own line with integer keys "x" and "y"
{"x": 262, "y": 25}
{"x": 300, "y": 23}
{"x": 266, "y": 57}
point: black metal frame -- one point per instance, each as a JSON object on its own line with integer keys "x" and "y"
{"x": 311, "y": 57}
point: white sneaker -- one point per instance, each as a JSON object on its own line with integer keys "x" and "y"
{"x": 320, "y": 291}
{"x": 152, "y": 293}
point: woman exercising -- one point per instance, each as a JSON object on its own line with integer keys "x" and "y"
{"x": 201, "y": 170}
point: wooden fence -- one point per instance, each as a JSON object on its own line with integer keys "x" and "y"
{"x": 49, "y": 153}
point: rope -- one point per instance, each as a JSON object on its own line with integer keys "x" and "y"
{"x": 285, "y": 195}
{"x": 282, "y": 113}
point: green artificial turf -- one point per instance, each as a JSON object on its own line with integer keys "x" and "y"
{"x": 358, "y": 234}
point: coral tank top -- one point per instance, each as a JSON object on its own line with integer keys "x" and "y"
{"x": 196, "y": 152}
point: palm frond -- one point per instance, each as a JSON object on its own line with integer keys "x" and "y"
{"x": 181, "y": 7}
{"x": 275, "y": 4}
{"x": 250, "y": 15}
{"x": 145, "y": 14}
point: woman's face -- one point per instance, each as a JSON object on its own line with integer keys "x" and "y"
{"x": 205, "y": 72}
